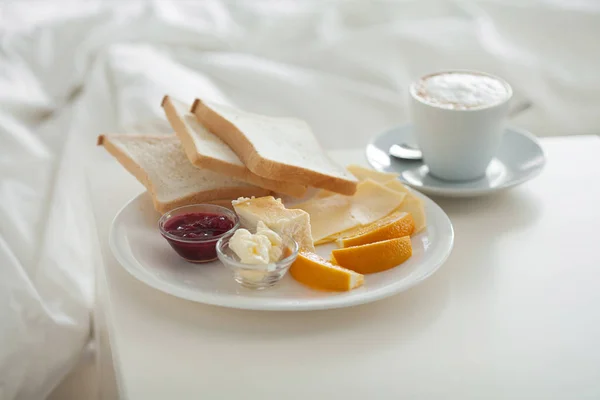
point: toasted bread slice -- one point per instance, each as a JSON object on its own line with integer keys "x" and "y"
{"x": 159, "y": 163}
{"x": 284, "y": 149}
{"x": 206, "y": 150}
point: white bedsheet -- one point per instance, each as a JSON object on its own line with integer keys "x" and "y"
{"x": 72, "y": 70}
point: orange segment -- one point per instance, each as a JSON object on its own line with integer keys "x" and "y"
{"x": 395, "y": 225}
{"x": 374, "y": 257}
{"x": 318, "y": 273}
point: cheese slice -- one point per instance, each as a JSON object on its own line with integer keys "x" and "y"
{"x": 337, "y": 213}
{"x": 412, "y": 204}
{"x": 363, "y": 173}
{"x": 396, "y": 185}
{"x": 322, "y": 193}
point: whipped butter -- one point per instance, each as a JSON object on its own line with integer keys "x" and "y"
{"x": 263, "y": 247}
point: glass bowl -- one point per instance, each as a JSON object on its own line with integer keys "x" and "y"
{"x": 197, "y": 243}
{"x": 257, "y": 276}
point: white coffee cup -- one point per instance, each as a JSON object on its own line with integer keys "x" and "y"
{"x": 459, "y": 118}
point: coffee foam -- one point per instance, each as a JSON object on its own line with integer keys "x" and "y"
{"x": 461, "y": 90}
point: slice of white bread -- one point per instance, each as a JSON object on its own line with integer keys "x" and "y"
{"x": 206, "y": 150}
{"x": 294, "y": 223}
{"x": 159, "y": 163}
{"x": 284, "y": 149}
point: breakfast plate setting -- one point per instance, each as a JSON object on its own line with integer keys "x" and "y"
{"x": 237, "y": 215}
{"x": 247, "y": 211}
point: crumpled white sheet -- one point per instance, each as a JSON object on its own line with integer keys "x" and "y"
{"x": 72, "y": 70}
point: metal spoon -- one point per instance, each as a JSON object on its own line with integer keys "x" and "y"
{"x": 405, "y": 151}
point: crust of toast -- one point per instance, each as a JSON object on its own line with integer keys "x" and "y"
{"x": 262, "y": 166}
{"x": 162, "y": 207}
{"x": 236, "y": 171}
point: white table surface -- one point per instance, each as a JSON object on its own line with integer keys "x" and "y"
{"x": 513, "y": 314}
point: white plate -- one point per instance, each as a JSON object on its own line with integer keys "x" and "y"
{"x": 519, "y": 159}
{"x": 138, "y": 246}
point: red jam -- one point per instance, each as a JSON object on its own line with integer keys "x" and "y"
{"x": 199, "y": 233}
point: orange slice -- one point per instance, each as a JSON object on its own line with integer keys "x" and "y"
{"x": 374, "y": 257}
{"x": 395, "y": 225}
{"x": 318, "y": 273}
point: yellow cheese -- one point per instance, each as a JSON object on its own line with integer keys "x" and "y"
{"x": 411, "y": 204}
{"x": 397, "y": 186}
{"x": 323, "y": 193}
{"x": 337, "y": 213}
{"x": 363, "y": 173}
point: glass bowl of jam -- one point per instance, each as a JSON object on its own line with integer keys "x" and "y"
{"x": 193, "y": 231}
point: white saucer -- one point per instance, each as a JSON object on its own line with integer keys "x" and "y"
{"x": 138, "y": 246}
{"x": 519, "y": 158}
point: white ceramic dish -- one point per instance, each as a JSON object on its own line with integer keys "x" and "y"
{"x": 138, "y": 246}
{"x": 518, "y": 159}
